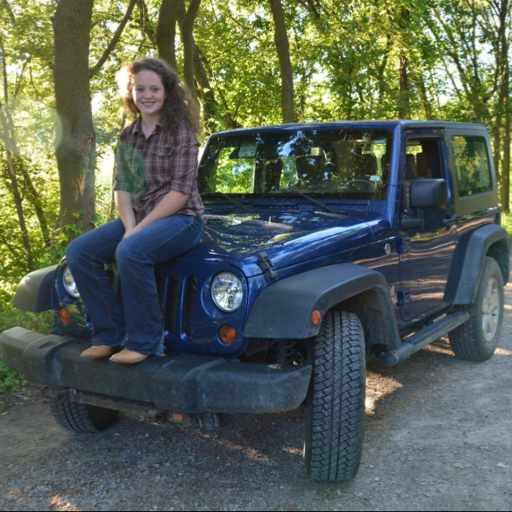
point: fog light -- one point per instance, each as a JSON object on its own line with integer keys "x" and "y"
{"x": 227, "y": 334}
{"x": 64, "y": 316}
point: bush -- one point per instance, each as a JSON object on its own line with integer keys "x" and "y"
{"x": 506, "y": 222}
{"x": 9, "y": 379}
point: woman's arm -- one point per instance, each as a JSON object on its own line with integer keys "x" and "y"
{"x": 169, "y": 205}
{"x": 182, "y": 179}
{"x": 125, "y": 208}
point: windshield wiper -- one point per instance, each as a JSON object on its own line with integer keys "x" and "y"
{"x": 316, "y": 201}
{"x": 230, "y": 199}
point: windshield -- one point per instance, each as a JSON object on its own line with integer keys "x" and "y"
{"x": 346, "y": 163}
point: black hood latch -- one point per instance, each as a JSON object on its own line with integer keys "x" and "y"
{"x": 266, "y": 265}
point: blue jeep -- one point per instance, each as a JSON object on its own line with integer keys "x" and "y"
{"x": 325, "y": 244}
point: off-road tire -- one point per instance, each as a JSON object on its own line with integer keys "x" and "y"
{"x": 82, "y": 418}
{"x": 335, "y": 410}
{"x": 477, "y": 339}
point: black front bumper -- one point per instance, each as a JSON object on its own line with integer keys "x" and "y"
{"x": 186, "y": 383}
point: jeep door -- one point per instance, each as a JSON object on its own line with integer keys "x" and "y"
{"x": 428, "y": 235}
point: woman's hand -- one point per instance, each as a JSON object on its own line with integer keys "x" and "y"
{"x": 131, "y": 231}
{"x": 124, "y": 205}
{"x": 169, "y": 205}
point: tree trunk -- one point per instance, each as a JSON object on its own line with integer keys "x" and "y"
{"x": 166, "y": 31}
{"x": 505, "y": 173}
{"x": 10, "y": 136}
{"x": 19, "y": 210}
{"x": 283, "y": 52}
{"x": 404, "y": 108}
{"x": 76, "y": 144}
{"x": 9, "y": 143}
{"x": 18, "y": 201}
{"x": 382, "y": 67}
{"x": 206, "y": 93}
{"x": 115, "y": 39}
{"x": 172, "y": 11}
{"x": 211, "y": 106}
{"x": 505, "y": 170}
{"x": 424, "y": 97}
{"x": 505, "y": 105}
{"x": 205, "y": 90}
{"x": 189, "y": 46}
{"x": 496, "y": 143}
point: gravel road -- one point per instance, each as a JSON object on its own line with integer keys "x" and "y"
{"x": 438, "y": 437}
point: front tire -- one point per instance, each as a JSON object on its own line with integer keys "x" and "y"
{"x": 336, "y": 400}
{"x": 82, "y": 418}
{"x": 477, "y": 339}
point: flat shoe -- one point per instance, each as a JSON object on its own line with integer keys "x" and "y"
{"x": 98, "y": 352}
{"x": 128, "y": 357}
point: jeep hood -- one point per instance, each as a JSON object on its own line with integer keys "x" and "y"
{"x": 288, "y": 238}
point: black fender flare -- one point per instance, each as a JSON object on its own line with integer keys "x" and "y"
{"x": 283, "y": 309}
{"x": 490, "y": 240}
{"x": 35, "y": 291}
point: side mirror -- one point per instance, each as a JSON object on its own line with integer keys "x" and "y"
{"x": 429, "y": 194}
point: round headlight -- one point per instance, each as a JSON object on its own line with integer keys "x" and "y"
{"x": 227, "y": 292}
{"x": 69, "y": 283}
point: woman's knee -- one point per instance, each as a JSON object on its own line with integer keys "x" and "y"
{"x": 128, "y": 255}
{"x": 123, "y": 252}
{"x": 97, "y": 245}
{"x": 75, "y": 251}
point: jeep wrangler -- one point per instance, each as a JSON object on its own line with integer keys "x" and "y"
{"x": 325, "y": 244}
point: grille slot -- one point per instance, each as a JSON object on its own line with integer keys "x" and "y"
{"x": 160, "y": 291}
{"x": 173, "y": 304}
{"x": 190, "y": 306}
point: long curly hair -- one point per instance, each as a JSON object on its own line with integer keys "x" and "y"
{"x": 178, "y": 106}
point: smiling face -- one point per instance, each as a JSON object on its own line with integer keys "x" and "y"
{"x": 148, "y": 94}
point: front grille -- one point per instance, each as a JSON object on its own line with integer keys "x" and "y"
{"x": 182, "y": 292}
{"x": 173, "y": 302}
{"x": 190, "y": 306}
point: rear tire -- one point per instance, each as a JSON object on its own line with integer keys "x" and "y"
{"x": 477, "y": 339}
{"x": 336, "y": 400}
{"x": 82, "y": 418}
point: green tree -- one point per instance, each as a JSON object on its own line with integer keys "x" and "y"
{"x": 283, "y": 52}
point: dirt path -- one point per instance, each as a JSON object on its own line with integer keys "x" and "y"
{"x": 438, "y": 437}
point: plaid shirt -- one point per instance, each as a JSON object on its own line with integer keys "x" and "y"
{"x": 150, "y": 168}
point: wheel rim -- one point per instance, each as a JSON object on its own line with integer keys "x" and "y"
{"x": 491, "y": 310}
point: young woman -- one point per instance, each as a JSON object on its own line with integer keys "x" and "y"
{"x": 159, "y": 216}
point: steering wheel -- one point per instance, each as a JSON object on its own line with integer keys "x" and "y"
{"x": 294, "y": 183}
{"x": 358, "y": 185}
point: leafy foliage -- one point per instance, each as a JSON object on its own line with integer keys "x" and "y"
{"x": 9, "y": 379}
{"x": 506, "y": 222}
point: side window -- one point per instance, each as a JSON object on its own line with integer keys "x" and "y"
{"x": 425, "y": 160}
{"x": 472, "y": 165}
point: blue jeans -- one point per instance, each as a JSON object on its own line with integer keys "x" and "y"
{"x": 136, "y": 323}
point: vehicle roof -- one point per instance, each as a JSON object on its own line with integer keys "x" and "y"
{"x": 333, "y": 125}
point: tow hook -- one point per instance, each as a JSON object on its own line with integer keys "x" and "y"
{"x": 60, "y": 395}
